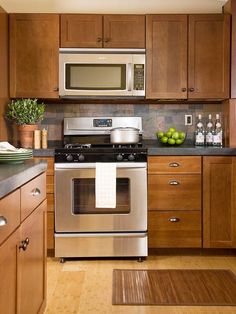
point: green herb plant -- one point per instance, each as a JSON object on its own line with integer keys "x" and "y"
{"x": 25, "y": 111}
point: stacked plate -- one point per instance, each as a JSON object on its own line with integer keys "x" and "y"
{"x": 17, "y": 156}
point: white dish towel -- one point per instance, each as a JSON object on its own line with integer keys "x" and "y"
{"x": 105, "y": 185}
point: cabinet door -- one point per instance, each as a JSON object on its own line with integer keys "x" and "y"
{"x": 209, "y": 56}
{"x": 34, "y": 54}
{"x": 124, "y": 31}
{"x": 32, "y": 268}
{"x": 166, "y": 50}
{"x": 81, "y": 30}
{"x": 219, "y": 197}
{"x": 8, "y": 274}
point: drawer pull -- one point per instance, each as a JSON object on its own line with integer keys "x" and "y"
{"x": 24, "y": 244}
{"x": 174, "y": 164}
{"x": 174, "y": 219}
{"x": 35, "y": 192}
{"x": 174, "y": 182}
{"x": 3, "y": 221}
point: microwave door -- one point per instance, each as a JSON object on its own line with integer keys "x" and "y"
{"x": 100, "y": 75}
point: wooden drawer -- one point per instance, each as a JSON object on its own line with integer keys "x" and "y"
{"x": 174, "y": 164}
{"x": 32, "y": 194}
{"x": 174, "y": 192}
{"x": 184, "y": 233}
{"x": 9, "y": 210}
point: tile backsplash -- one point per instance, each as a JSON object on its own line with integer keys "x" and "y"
{"x": 155, "y": 117}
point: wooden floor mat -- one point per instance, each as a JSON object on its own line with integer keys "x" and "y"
{"x": 174, "y": 287}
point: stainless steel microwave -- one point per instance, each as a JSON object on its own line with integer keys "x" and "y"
{"x": 101, "y": 72}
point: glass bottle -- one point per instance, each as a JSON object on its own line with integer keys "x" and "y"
{"x": 209, "y": 131}
{"x": 217, "y": 133}
{"x": 199, "y": 132}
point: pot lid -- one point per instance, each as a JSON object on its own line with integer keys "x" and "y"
{"x": 125, "y": 129}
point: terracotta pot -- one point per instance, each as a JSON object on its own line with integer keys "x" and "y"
{"x": 26, "y": 135}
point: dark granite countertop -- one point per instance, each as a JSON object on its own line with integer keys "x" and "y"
{"x": 186, "y": 149}
{"x": 158, "y": 149}
{"x": 12, "y": 176}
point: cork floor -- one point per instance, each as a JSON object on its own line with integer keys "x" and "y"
{"x": 85, "y": 286}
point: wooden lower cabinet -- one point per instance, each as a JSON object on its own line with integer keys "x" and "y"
{"x": 50, "y": 201}
{"x": 8, "y": 274}
{"x": 32, "y": 262}
{"x": 174, "y": 202}
{"x": 23, "y": 255}
{"x": 219, "y": 202}
{"x": 174, "y": 229}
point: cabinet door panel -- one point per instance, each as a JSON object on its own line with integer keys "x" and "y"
{"x": 166, "y": 50}
{"x": 81, "y": 30}
{"x": 209, "y": 56}
{"x": 8, "y": 274}
{"x": 124, "y": 31}
{"x": 219, "y": 207}
{"x": 34, "y": 54}
{"x": 32, "y": 262}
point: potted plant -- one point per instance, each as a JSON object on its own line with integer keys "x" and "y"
{"x": 26, "y": 113}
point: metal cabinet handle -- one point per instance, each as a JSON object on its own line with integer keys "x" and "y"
{"x": 3, "y": 221}
{"x": 191, "y": 89}
{"x": 184, "y": 89}
{"x": 174, "y": 219}
{"x": 56, "y": 89}
{"x": 174, "y": 182}
{"x": 174, "y": 164}
{"x": 106, "y": 40}
{"x": 24, "y": 244}
{"x": 99, "y": 39}
{"x": 35, "y": 192}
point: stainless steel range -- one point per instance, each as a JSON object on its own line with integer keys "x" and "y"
{"x": 101, "y": 191}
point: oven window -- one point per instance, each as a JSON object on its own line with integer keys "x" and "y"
{"x": 84, "y": 197}
{"x": 96, "y": 76}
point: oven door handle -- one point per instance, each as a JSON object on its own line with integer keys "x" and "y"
{"x": 92, "y": 165}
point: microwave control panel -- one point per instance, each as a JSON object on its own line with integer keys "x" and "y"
{"x": 138, "y": 76}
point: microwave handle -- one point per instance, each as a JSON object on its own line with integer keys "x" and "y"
{"x": 129, "y": 77}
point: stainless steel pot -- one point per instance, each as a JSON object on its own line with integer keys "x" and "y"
{"x": 124, "y": 135}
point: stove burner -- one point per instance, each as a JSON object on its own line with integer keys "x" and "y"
{"x": 77, "y": 146}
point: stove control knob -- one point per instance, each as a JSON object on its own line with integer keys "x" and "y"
{"x": 69, "y": 157}
{"x": 119, "y": 157}
{"x": 81, "y": 157}
{"x": 131, "y": 157}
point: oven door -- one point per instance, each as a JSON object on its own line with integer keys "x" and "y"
{"x": 75, "y": 199}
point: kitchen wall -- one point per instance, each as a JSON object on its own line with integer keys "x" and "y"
{"x": 155, "y": 117}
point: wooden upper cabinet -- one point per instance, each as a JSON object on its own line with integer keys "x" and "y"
{"x": 166, "y": 49}
{"x": 81, "y": 30}
{"x": 34, "y": 49}
{"x": 219, "y": 202}
{"x": 204, "y": 72}
{"x": 209, "y": 56}
{"x": 97, "y": 31}
{"x": 124, "y": 31}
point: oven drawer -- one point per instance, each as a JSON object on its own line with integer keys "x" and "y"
{"x": 174, "y": 192}
{"x": 100, "y": 244}
{"x": 174, "y": 164}
{"x": 174, "y": 229}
